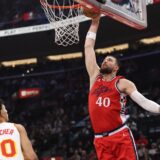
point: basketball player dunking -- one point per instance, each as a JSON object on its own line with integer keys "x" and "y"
{"x": 107, "y": 98}
{"x": 14, "y": 142}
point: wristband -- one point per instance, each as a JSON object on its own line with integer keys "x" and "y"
{"x": 91, "y": 35}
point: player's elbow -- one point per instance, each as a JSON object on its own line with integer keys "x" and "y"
{"x": 34, "y": 156}
{"x": 31, "y": 156}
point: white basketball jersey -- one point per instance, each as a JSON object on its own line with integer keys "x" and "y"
{"x": 10, "y": 146}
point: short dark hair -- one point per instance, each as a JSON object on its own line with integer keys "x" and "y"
{"x": 117, "y": 59}
{"x": 1, "y": 103}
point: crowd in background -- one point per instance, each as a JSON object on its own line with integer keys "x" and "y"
{"x": 57, "y": 120}
{"x": 18, "y": 13}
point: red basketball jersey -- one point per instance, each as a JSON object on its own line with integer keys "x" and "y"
{"x": 106, "y": 105}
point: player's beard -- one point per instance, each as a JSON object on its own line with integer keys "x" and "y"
{"x": 107, "y": 70}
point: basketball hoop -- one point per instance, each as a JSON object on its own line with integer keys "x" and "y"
{"x": 65, "y": 16}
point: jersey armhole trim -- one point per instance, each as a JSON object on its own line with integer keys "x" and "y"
{"x": 118, "y": 88}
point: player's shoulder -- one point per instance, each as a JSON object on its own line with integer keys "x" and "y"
{"x": 124, "y": 80}
{"x": 124, "y": 84}
{"x": 20, "y": 127}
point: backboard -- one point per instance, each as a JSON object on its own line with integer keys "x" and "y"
{"x": 130, "y": 12}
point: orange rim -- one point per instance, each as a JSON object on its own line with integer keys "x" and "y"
{"x": 64, "y": 7}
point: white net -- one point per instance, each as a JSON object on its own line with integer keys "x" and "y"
{"x": 65, "y": 16}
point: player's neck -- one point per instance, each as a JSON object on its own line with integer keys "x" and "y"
{"x": 109, "y": 77}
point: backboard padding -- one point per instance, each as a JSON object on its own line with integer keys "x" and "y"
{"x": 130, "y": 12}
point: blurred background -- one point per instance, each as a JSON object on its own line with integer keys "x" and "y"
{"x": 45, "y": 86}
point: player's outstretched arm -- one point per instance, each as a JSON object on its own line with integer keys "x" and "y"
{"x": 27, "y": 149}
{"x": 130, "y": 89}
{"x": 90, "y": 57}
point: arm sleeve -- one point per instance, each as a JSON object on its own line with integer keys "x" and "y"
{"x": 144, "y": 102}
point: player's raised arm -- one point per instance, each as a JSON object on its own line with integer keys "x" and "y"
{"x": 27, "y": 149}
{"x": 130, "y": 89}
{"x": 90, "y": 57}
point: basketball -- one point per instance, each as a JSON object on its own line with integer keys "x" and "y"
{"x": 91, "y": 13}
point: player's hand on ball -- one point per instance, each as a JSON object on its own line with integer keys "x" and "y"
{"x": 91, "y": 13}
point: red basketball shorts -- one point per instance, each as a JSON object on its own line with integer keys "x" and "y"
{"x": 117, "y": 146}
